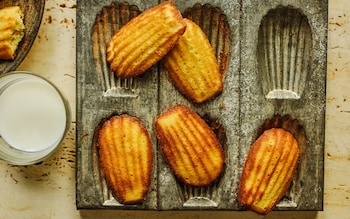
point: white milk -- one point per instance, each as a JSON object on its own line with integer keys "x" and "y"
{"x": 32, "y": 115}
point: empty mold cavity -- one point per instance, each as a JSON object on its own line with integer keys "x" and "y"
{"x": 284, "y": 53}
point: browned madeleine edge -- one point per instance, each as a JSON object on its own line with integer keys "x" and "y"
{"x": 107, "y": 22}
{"x": 105, "y": 164}
{"x": 186, "y": 111}
{"x": 128, "y": 70}
{"x": 193, "y": 67}
{"x": 256, "y": 148}
{"x": 214, "y": 24}
{"x": 288, "y": 123}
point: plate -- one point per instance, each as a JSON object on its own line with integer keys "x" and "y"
{"x": 236, "y": 115}
{"x": 33, "y": 12}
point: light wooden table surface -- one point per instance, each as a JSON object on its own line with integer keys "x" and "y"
{"x": 48, "y": 190}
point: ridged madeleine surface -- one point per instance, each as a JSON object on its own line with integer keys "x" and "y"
{"x": 268, "y": 170}
{"x": 192, "y": 65}
{"x": 126, "y": 158}
{"x": 11, "y": 31}
{"x": 144, "y": 40}
{"x": 190, "y": 147}
{"x": 214, "y": 24}
{"x": 107, "y": 22}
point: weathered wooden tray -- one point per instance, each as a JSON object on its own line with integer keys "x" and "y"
{"x": 261, "y": 47}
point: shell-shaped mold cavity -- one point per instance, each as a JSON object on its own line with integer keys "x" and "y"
{"x": 206, "y": 196}
{"x": 216, "y": 28}
{"x": 284, "y": 53}
{"x": 293, "y": 195}
{"x": 107, "y": 198}
{"x": 107, "y": 23}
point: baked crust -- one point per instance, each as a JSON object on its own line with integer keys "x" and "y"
{"x": 11, "y": 31}
{"x": 125, "y": 153}
{"x": 268, "y": 171}
{"x": 189, "y": 146}
{"x": 193, "y": 67}
{"x": 144, "y": 40}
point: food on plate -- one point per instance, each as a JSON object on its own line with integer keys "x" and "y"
{"x": 193, "y": 67}
{"x": 268, "y": 171}
{"x": 125, "y": 153}
{"x": 11, "y": 31}
{"x": 144, "y": 40}
{"x": 189, "y": 146}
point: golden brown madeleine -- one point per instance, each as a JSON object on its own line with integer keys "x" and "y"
{"x": 189, "y": 146}
{"x": 11, "y": 31}
{"x": 145, "y": 39}
{"x": 268, "y": 171}
{"x": 126, "y": 158}
{"x": 192, "y": 65}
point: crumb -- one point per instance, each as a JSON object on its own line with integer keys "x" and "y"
{"x": 49, "y": 19}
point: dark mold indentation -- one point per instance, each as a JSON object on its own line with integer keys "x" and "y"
{"x": 295, "y": 127}
{"x": 107, "y": 23}
{"x": 284, "y": 53}
{"x": 206, "y": 196}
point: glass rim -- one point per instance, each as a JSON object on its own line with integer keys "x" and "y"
{"x": 46, "y": 152}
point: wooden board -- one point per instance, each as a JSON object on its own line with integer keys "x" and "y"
{"x": 237, "y": 113}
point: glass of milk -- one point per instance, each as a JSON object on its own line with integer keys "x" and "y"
{"x": 34, "y": 118}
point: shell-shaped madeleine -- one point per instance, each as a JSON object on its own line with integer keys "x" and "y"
{"x": 215, "y": 26}
{"x": 284, "y": 53}
{"x": 268, "y": 170}
{"x": 145, "y": 39}
{"x": 189, "y": 146}
{"x": 193, "y": 67}
{"x": 125, "y": 153}
{"x": 110, "y": 19}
